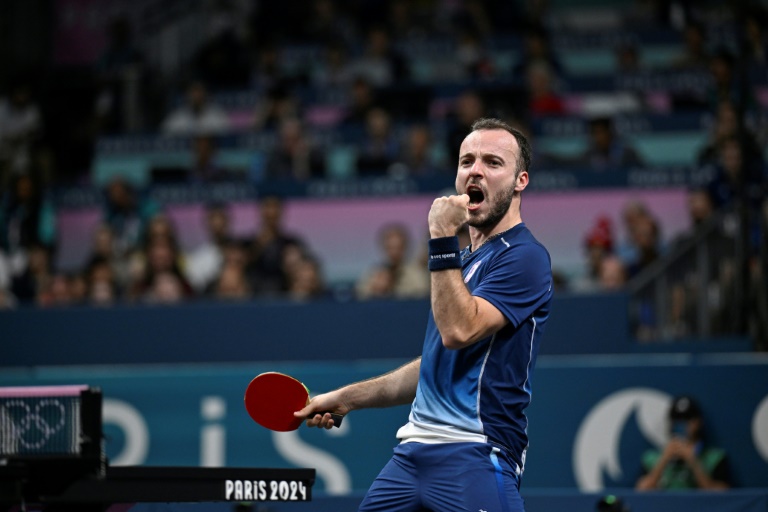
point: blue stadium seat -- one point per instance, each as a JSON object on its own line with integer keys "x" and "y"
{"x": 675, "y": 148}
{"x": 133, "y": 168}
{"x": 340, "y": 162}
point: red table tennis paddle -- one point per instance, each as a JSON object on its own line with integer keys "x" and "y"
{"x": 271, "y": 399}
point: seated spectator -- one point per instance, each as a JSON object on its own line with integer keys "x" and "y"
{"x": 266, "y": 72}
{"x": 305, "y": 280}
{"x": 20, "y": 128}
{"x": 741, "y": 184}
{"x": 643, "y": 244}
{"x": 598, "y": 244}
{"x": 165, "y": 288}
{"x": 101, "y": 294}
{"x": 205, "y": 166}
{"x": 633, "y": 213}
{"x": 62, "y": 290}
{"x": 687, "y": 461}
{"x": 380, "y": 64}
{"x": 162, "y": 279}
{"x": 379, "y": 283}
{"x": 606, "y": 151}
{"x": 467, "y": 108}
{"x": 729, "y": 123}
{"x": 266, "y": 273}
{"x": 35, "y": 276}
{"x": 161, "y": 227}
{"x": 103, "y": 287}
{"x": 473, "y": 56}
{"x": 127, "y": 213}
{"x": 701, "y": 208}
{"x": 421, "y": 155}
{"x": 754, "y": 40}
{"x": 295, "y": 158}
{"x": 727, "y": 84}
{"x": 694, "y": 54}
{"x": 7, "y": 300}
{"x": 379, "y": 148}
{"x": 5, "y": 269}
{"x": 27, "y": 217}
{"x": 537, "y": 49}
{"x": 280, "y": 104}
{"x": 543, "y": 100}
{"x": 680, "y": 318}
{"x": 361, "y": 100}
{"x": 204, "y": 262}
{"x": 334, "y": 69}
{"x": 612, "y": 274}
{"x": 163, "y": 265}
{"x": 55, "y": 293}
{"x": 736, "y": 177}
{"x": 104, "y": 249}
{"x": 231, "y": 282}
{"x": 646, "y": 240}
{"x": 396, "y": 274}
{"x": 197, "y": 115}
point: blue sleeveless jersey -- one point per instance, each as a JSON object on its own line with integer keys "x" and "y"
{"x": 480, "y": 393}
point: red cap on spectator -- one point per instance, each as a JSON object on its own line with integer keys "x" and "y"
{"x": 600, "y": 234}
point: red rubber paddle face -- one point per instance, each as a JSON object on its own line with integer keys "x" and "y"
{"x": 272, "y": 398}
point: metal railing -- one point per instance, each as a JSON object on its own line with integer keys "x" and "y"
{"x": 711, "y": 282}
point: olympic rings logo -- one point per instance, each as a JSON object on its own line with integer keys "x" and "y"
{"x": 32, "y": 427}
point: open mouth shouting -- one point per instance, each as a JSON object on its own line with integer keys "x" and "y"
{"x": 476, "y": 197}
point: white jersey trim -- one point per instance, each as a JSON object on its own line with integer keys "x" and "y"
{"x": 432, "y": 434}
{"x": 480, "y": 381}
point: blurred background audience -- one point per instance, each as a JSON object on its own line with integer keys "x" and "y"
{"x": 277, "y": 99}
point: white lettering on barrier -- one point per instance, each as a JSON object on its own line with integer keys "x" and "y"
{"x": 265, "y": 490}
{"x": 131, "y": 422}
{"x": 596, "y": 447}
{"x": 760, "y": 428}
{"x": 213, "y": 436}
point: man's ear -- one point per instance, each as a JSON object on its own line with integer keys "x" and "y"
{"x": 522, "y": 181}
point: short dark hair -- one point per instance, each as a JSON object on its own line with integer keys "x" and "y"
{"x": 490, "y": 123}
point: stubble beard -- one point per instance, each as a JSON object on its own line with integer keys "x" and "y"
{"x": 499, "y": 208}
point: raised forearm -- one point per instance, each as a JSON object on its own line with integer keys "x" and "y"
{"x": 456, "y": 311}
{"x": 650, "y": 481}
{"x": 703, "y": 480}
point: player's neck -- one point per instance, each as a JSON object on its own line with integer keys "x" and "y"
{"x": 478, "y": 236}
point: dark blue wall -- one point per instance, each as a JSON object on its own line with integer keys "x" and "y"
{"x": 219, "y": 332}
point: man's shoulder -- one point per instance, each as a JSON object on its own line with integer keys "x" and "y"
{"x": 522, "y": 243}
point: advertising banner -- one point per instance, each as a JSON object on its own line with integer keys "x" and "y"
{"x": 590, "y": 420}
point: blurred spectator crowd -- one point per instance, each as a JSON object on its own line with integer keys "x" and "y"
{"x": 326, "y": 70}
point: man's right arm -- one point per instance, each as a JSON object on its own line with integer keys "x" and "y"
{"x": 397, "y": 387}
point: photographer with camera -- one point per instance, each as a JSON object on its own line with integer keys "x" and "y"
{"x": 686, "y": 462}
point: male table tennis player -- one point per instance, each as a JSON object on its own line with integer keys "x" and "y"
{"x": 464, "y": 445}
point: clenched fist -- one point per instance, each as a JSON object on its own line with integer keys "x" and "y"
{"x": 447, "y": 215}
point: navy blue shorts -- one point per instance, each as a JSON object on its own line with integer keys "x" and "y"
{"x": 474, "y": 477}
